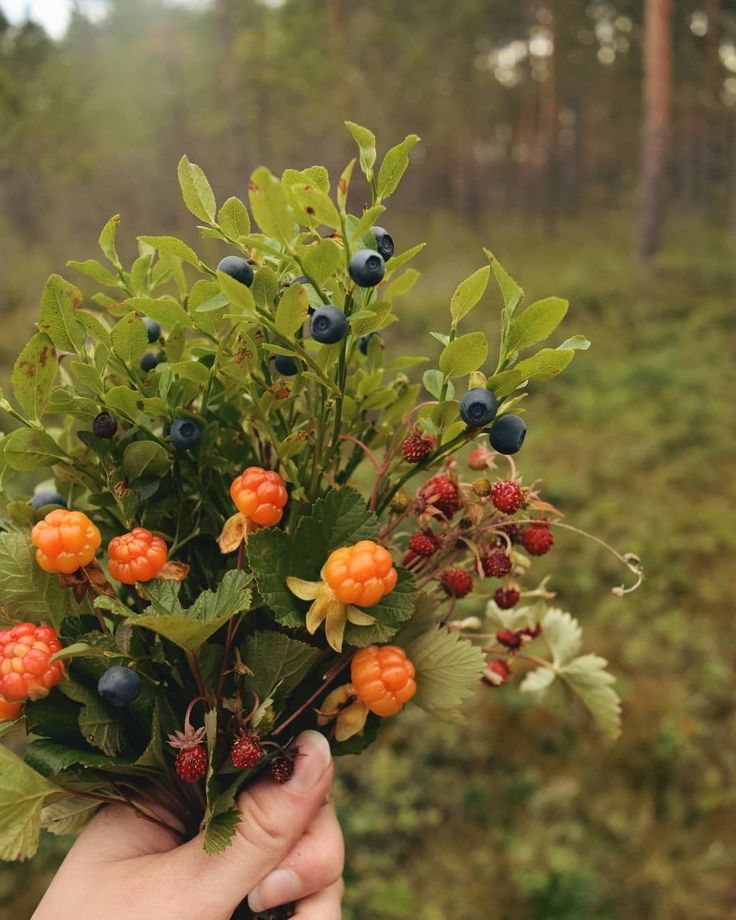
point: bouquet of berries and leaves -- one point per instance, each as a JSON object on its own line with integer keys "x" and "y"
{"x": 232, "y": 512}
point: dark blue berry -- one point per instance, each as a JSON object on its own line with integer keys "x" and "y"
{"x": 478, "y": 407}
{"x": 367, "y": 268}
{"x": 47, "y": 497}
{"x": 153, "y": 329}
{"x": 119, "y": 686}
{"x": 104, "y": 425}
{"x": 286, "y": 365}
{"x": 364, "y": 341}
{"x": 150, "y": 360}
{"x": 384, "y": 242}
{"x": 237, "y": 268}
{"x": 185, "y": 433}
{"x": 328, "y": 325}
{"x": 507, "y": 434}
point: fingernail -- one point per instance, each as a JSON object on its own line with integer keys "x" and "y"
{"x": 313, "y": 759}
{"x": 280, "y": 887}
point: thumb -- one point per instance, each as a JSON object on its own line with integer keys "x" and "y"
{"x": 273, "y": 819}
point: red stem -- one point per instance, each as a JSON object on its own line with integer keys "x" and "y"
{"x": 336, "y": 668}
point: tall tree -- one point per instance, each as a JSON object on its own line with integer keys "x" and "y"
{"x": 656, "y": 128}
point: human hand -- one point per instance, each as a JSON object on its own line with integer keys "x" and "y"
{"x": 288, "y": 848}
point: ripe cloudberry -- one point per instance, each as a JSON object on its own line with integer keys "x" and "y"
{"x": 497, "y": 672}
{"x": 424, "y": 544}
{"x": 507, "y": 495}
{"x": 457, "y": 582}
{"x": 65, "y": 541}
{"x": 9, "y": 712}
{"x": 282, "y": 768}
{"x": 382, "y": 678}
{"x": 26, "y": 672}
{"x": 417, "y": 447}
{"x": 360, "y": 574}
{"x": 246, "y": 751}
{"x": 137, "y": 556}
{"x": 259, "y": 495}
{"x": 537, "y": 539}
{"x": 191, "y": 763}
{"x": 506, "y": 597}
{"x": 441, "y": 492}
{"x": 497, "y": 564}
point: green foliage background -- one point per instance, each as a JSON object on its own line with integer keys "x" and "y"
{"x": 519, "y": 813}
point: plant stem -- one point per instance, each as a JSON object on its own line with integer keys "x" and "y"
{"x": 333, "y": 672}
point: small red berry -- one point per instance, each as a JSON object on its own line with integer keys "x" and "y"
{"x": 497, "y": 672}
{"x": 507, "y": 496}
{"x": 537, "y": 539}
{"x": 508, "y": 638}
{"x": 26, "y": 671}
{"x": 478, "y": 459}
{"x": 417, "y": 447}
{"x": 424, "y": 544}
{"x": 191, "y": 763}
{"x": 282, "y": 768}
{"x": 511, "y": 530}
{"x": 506, "y": 598}
{"x": 441, "y": 492}
{"x": 457, "y": 582}
{"x": 497, "y": 564}
{"x": 247, "y": 751}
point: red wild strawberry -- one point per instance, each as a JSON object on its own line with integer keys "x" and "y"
{"x": 506, "y": 597}
{"x": 247, "y": 751}
{"x": 497, "y": 672}
{"x": 507, "y": 496}
{"x": 457, "y": 582}
{"x": 282, "y": 768}
{"x": 478, "y": 459}
{"x": 537, "y": 538}
{"x": 417, "y": 447}
{"x": 191, "y": 763}
{"x": 497, "y": 564}
{"x": 424, "y": 544}
{"x": 511, "y": 530}
{"x": 509, "y": 638}
{"x": 441, "y": 492}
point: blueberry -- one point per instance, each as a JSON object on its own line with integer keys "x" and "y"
{"x": 507, "y": 434}
{"x": 367, "y": 268}
{"x": 119, "y": 686}
{"x": 384, "y": 242}
{"x": 328, "y": 325}
{"x": 104, "y": 425}
{"x": 47, "y": 497}
{"x": 185, "y": 433}
{"x": 478, "y": 407}
{"x": 286, "y": 365}
{"x": 150, "y": 360}
{"x": 364, "y": 341}
{"x": 237, "y": 268}
{"x": 153, "y": 329}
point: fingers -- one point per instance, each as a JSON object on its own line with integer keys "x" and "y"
{"x": 273, "y": 819}
{"x": 325, "y": 905}
{"x": 315, "y": 863}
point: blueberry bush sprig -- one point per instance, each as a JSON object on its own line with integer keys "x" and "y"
{"x": 230, "y": 511}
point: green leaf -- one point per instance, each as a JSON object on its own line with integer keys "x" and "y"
{"x": 22, "y": 795}
{"x": 510, "y": 291}
{"x": 191, "y": 627}
{"x": 339, "y": 519}
{"x": 575, "y": 343}
{"x": 59, "y": 301}
{"x": 394, "y": 166}
{"x": 87, "y": 375}
{"x": 270, "y": 206}
{"x": 362, "y": 229}
{"x": 448, "y": 669}
{"x": 506, "y": 382}
{"x": 468, "y": 293}
{"x": 49, "y": 757}
{"x": 403, "y": 284}
{"x": 234, "y": 219}
{"x": 107, "y": 240}
{"x": 538, "y": 680}
{"x": 165, "y": 310}
{"x": 321, "y": 260}
{"x": 292, "y": 310}
{"x": 563, "y": 635}
{"x": 98, "y": 723}
{"x": 536, "y": 323}
{"x": 366, "y": 141}
{"x": 371, "y": 318}
{"x": 95, "y": 270}
{"x": 312, "y": 175}
{"x": 123, "y": 399}
{"x": 402, "y": 258}
{"x": 33, "y": 375}
{"x": 145, "y": 458}
{"x": 27, "y": 593}
{"x": 28, "y": 448}
{"x": 278, "y": 664}
{"x": 588, "y": 679}
{"x": 196, "y": 190}
{"x": 265, "y": 287}
{"x": 316, "y": 206}
{"x": 170, "y": 245}
{"x": 343, "y": 185}
{"x": 237, "y": 294}
{"x": 433, "y": 380}
{"x": 129, "y": 339}
{"x": 68, "y": 815}
{"x": 465, "y": 355}
{"x": 545, "y": 364}
{"x": 220, "y": 830}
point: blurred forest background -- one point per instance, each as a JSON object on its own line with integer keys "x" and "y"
{"x": 592, "y": 146}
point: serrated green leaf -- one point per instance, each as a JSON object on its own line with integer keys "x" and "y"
{"x": 28, "y": 449}
{"x": 234, "y": 219}
{"x": 587, "y": 677}
{"x": 196, "y": 190}
{"x": 394, "y": 166}
{"x": 98, "y": 723}
{"x": 27, "y": 593}
{"x": 270, "y": 206}
{"x": 278, "y": 664}
{"x": 536, "y": 323}
{"x": 538, "y": 680}
{"x": 68, "y": 815}
{"x": 545, "y": 364}
{"x": 49, "y": 757}
{"x": 129, "y": 339}
{"x": 220, "y": 830}
{"x": 468, "y": 293}
{"x": 59, "y": 302}
{"x": 291, "y": 313}
{"x": 563, "y": 635}
{"x": 22, "y": 795}
{"x": 33, "y": 375}
{"x": 465, "y": 355}
{"x": 366, "y": 141}
{"x": 145, "y": 458}
{"x": 171, "y": 246}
